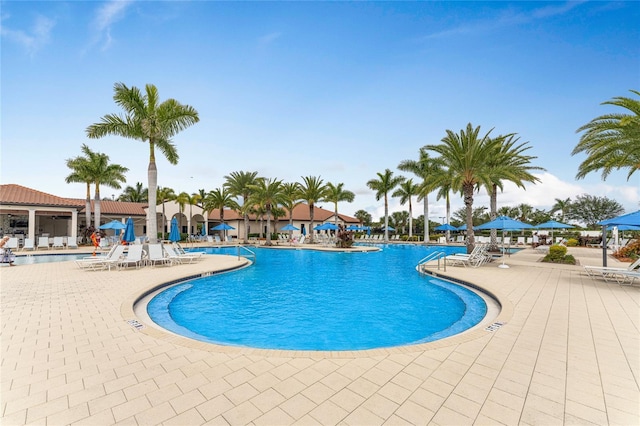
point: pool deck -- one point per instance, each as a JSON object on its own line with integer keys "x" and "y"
{"x": 568, "y": 352}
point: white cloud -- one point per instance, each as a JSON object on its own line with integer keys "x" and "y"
{"x": 107, "y": 15}
{"x": 33, "y": 40}
{"x": 268, "y": 39}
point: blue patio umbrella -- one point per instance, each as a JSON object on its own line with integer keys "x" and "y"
{"x": 446, "y": 227}
{"x": 326, "y": 227}
{"x": 203, "y": 231}
{"x": 632, "y": 219}
{"x": 174, "y": 233}
{"x": 624, "y": 227}
{"x": 289, "y": 227}
{"x": 129, "y": 235}
{"x": 222, "y": 227}
{"x": 553, "y": 224}
{"x": 390, "y": 228}
{"x": 504, "y": 223}
{"x": 114, "y": 224}
{"x": 354, "y": 228}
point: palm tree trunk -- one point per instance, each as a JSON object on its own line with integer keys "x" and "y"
{"x": 386, "y": 218}
{"x": 152, "y": 219}
{"x": 164, "y": 219}
{"x": 268, "y": 242}
{"x": 468, "y": 203}
{"x": 311, "y": 223}
{"x": 410, "y": 219}
{"x": 426, "y": 219}
{"x": 96, "y": 202}
{"x": 87, "y": 212}
{"x": 448, "y": 214}
{"x": 493, "y": 207}
{"x": 246, "y": 228}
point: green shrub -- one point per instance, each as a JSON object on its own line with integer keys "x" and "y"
{"x": 572, "y": 242}
{"x": 558, "y": 254}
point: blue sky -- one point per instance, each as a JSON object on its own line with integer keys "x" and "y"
{"x": 342, "y": 90}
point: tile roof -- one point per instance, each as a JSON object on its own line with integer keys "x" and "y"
{"x": 119, "y": 208}
{"x": 21, "y": 195}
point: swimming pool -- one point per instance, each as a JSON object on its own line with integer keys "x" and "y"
{"x": 315, "y": 300}
{"x": 48, "y": 258}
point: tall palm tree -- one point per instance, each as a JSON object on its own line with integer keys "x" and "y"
{"x": 561, "y": 206}
{"x": 385, "y": 183}
{"x": 80, "y": 174}
{"x": 335, "y": 194}
{"x": 182, "y": 199}
{"x": 290, "y": 199}
{"x": 238, "y": 184}
{"x": 312, "y": 190}
{"x": 611, "y": 141}
{"x": 427, "y": 169}
{"x": 192, "y": 200}
{"x": 467, "y": 156}
{"x": 164, "y": 194}
{"x": 135, "y": 194}
{"x": 147, "y": 120}
{"x": 399, "y": 220}
{"x": 100, "y": 172}
{"x": 509, "y": 163}
{"x": 219, "y": 198}
{"x": 267, "y": 193}
{"x": 405, "y": 191}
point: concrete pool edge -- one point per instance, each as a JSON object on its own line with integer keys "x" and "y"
{"x": 136, "y": 316}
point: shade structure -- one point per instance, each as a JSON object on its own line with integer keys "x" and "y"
{"x": 389, "y": 228}
{"x": 129, "y": 235}
{"x": 114, "y": 224}
{"x": 553, "y": 224}
{"x": 289, "y": 227}
{"x": 624, "y": 227}
{"x": 326, "y": 227}
{"x": 174, "y": 233}
{"x": 354, "y": 228}
{"x": 504, "y": 223}
{"x": 632, "y": 219}
{"x": 222, "y": 227}
{"x": 446, "y": 227}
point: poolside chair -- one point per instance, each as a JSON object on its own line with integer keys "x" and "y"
{"x": 210, "y": 238}
{"x": 133, "y": 257}
{"x": 619, "y": 275}
{"x": 176, "y": 257}
{"x": 196, "y": 255}
{"x": 96, "y": 263}
{"x": 43, "y": 242}
{"x": 217, "y": 239}
{"x": 58, "y": 242}
{"x": 72, "y": 242}
{"x": 12, "y": 243}
{"x": 29, "y": 244}
{"x": 478, "y": 257}
{"x": 520, "y": 241}
{"x": 156, "y": 255}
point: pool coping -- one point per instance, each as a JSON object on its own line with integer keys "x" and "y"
{"x": 145, "y": 325}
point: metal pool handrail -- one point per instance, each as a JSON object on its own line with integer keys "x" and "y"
{"x": 433, "y": 256}
{"x": 251, "y": 254}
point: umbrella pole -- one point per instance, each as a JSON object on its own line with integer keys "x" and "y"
{"x": 503, "y": 265}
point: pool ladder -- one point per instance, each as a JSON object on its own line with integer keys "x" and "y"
{"x": 422, "y": 264}
{"x": 250, "y": 255}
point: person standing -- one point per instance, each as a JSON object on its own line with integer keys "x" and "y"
{"x": 95, "y": 239}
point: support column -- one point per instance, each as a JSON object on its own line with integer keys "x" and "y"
{"x": 74, "y": 223}
{"x": 32, "y": 224}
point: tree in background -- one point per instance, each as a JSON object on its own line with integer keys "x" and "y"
{"x": 95, "y": 167}
{"x": 385, "y": 183}
{"x": 147, "y": 120}
{"x": 80, "y": 174}
{"x": 290, "y": 199}
{"x": 611, "y": 141}
{"x": 405, "y": 191}
{"x": 364, "y": 217}
{"x": 562, "y": 206}
{"x": 335, "y": 194}
{"x": 400, "y": 221}
{"x": 219, "y": 198}
{"x": 266, "y": 193}
{"x": 238, "y": 184}
{"x": 590, "y": 209}
{"x": 135, "y": 194}
{"x": 182, "y": 199}
{"x": 312, "y": 191}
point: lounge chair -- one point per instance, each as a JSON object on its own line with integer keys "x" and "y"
{"x": 479, "y": 256}
{"x": 96, "y": 263}
{"x": 217, "y": 239}
{"x": 133, "y": 257}
{"x": 72, "y": 242}
{"x": 520, "y": 241}
{"x": 12, "y": 243}
{"x": 176, "y": 257}
{"x": 58, "y": 242}
{"x": 620, "y": 275}
{"x": 197, "y": 255}
{"x": 43, "y": 242}
{"x": 29, "y": 244}
{"x": 156, "y": 255}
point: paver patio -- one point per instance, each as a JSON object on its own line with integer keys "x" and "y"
{"x": 567, "y": 353}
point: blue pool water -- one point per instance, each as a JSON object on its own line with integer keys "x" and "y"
{"x": 314, "y": 300}
{"x": 48, "y": 258}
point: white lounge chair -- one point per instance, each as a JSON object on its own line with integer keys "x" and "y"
{"x": 176, "y": 257}
{"x": 619, "y": 275}
{"x": 133, "y": 257}
{"x": 72, "y": 242}
{"x": 29, "y": 244}
{"x": 12, "y": 243}
{"x": 43, "y": 242}
{"x": 197, "y": 255}
{"x": 58, "y": 242}
{"x": 95, "y": 263}
{"x": 156, "y": 255}
{"x": 478, "y": 256}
